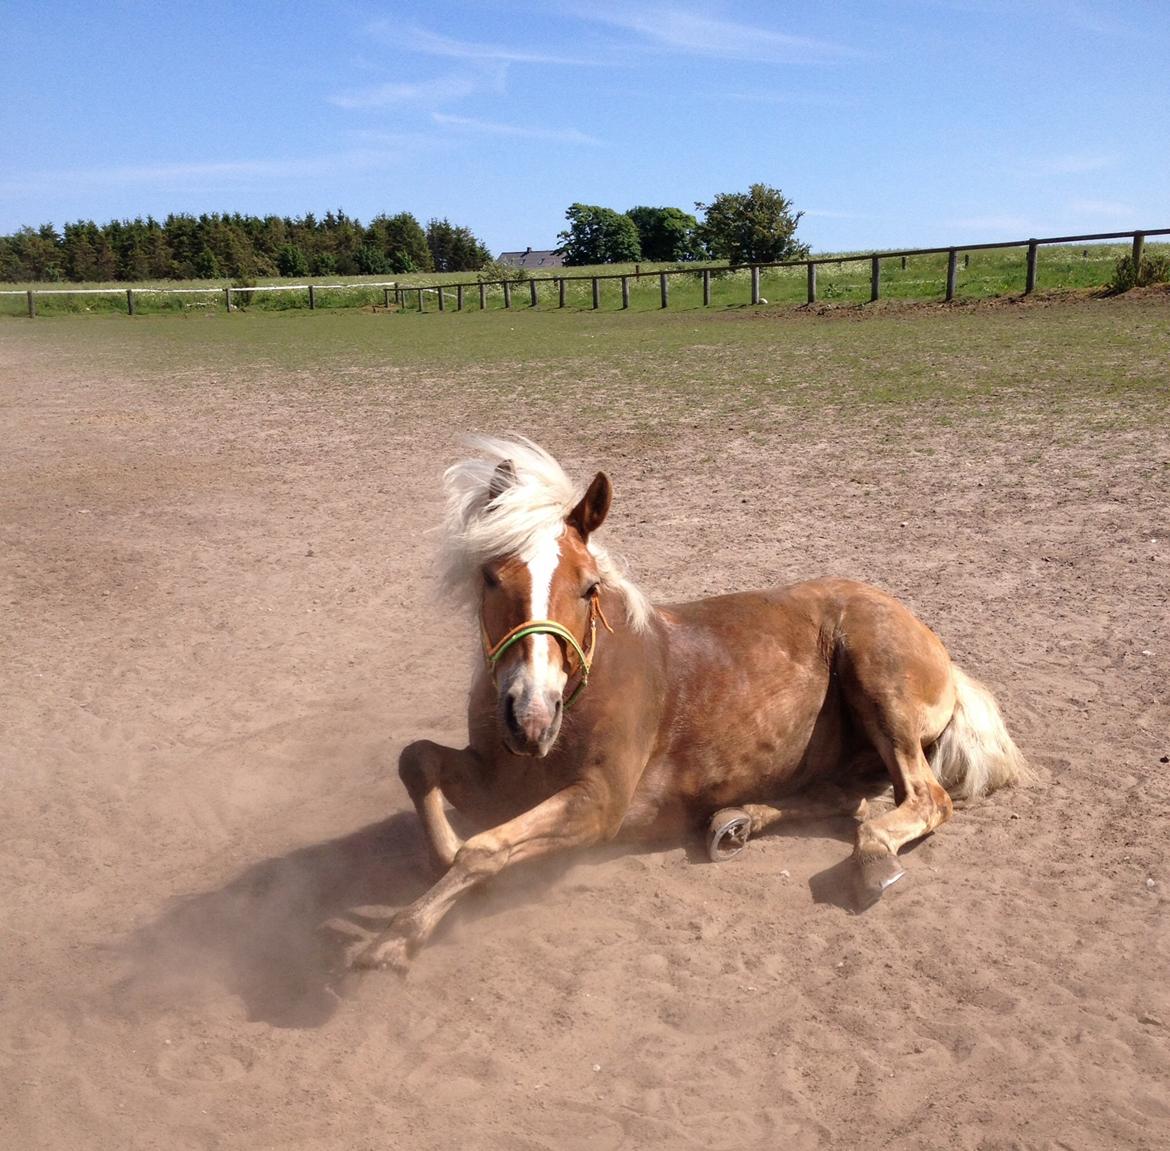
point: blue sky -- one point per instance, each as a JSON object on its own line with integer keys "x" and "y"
{"x": 887, "y": 122}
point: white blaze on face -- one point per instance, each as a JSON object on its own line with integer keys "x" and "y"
{"x": 546, "y": 669}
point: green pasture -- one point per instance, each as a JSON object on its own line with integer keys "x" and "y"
{"x": 1112, "y": 354}
{"x": 981, "y": 274}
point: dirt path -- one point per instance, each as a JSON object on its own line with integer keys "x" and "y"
{"x": 217, "y": 630}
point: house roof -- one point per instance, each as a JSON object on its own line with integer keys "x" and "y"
{"x": 532, "y": 258}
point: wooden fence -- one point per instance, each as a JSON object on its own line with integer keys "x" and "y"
{"x": 227, "y": 292}
{"x": 456, "y": 292}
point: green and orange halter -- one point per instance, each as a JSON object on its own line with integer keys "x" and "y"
{"x": 494, "y": 652}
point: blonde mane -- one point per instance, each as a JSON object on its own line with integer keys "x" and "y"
{"x": 477, "y": 528}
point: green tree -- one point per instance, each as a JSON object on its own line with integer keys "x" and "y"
{"x": 80, "y": 242}
{"x": 323, "y": 264}
{"x": 666, "y": 234}
{"x": 753, "y": 227}
{"x": 372, "y": 262}
{"x": 598, "y": 236}
{"x": 402, "y": 239}
{"x": 205, "y": 266}
{"x": 292, "y": 261}
{"x": 37, "y": 255}
{"x": 184, "y": 243}
{"x": 454, "y": 249}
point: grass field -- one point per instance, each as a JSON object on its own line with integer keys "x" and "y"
{"x": 981, "y": 275}
{"x": 891, "y": 353}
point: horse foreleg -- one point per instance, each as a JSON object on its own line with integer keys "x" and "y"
{"x": 422, "y": 767}
{"x": 924, "y": 806}
{"x": 574, "y": 817}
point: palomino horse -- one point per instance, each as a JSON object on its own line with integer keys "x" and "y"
{"x": 595, "y": 714}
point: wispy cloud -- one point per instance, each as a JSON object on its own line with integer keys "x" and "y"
{"x": 439, "y": 90}
{"x": 1074, "y": 164}
{"x": 1101, "y": 210}
{"x": 413, "y": 38}
{"x": 682, "y": 29}
{"x": 786, "y": 99}
{"x": 493, "y": 128}
{"x": 217, "y": 172}
{"x": 833, "y": 214}
{"x": 134, "y": 174}
{"x": 1095, "y": 18}
{"x": 998, "y": 227}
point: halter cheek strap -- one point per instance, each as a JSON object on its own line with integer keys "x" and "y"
{"x": 494, "y": 652}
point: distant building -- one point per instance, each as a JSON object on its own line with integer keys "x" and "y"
{"x": 532, "y": 258}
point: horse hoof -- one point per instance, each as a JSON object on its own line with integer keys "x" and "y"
{"x": 876, "y": 873}
{"x": 727, "y": 833}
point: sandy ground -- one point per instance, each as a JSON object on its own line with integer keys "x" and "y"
{"x": 218, "y": 629}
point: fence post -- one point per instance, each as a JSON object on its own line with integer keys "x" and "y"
{"x": 812, "y": 282}
{"x": 560, "y": 291}
{"x": 385, "y": 296}
{"x": 129, "y": 301}
{"x": 459, "y": 297}
{"x": 421, "y": 306}
{"x": 32, "y": 305}
{"x": 755, "y": 284}
{"x": 507, "y": 293}
{"x": 596, "y": 293}
{"x": 706, "y": 287}
{"x": 313, "y": 297}
{"x": 952, "y": 265}
{"x": 903, "y": 263}
{"x": 227, "y": 299}
{"x": 1139, "y": 239}
{"x": 875, "y": 279}
{"x": 532, "y": 291}
{"x": 482, "y": 295}
{"x": 442, "y": 301}
{"x": 625, "y": 292}
{"x": 664, "y": 288}
{"x": 1030, "y": 279}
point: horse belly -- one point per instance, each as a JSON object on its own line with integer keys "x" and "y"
{"x": 751, "y": 749}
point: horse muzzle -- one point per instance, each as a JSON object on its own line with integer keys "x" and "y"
{"x": 530, "y": 719}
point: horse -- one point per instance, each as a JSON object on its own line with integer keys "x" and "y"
{"x": 596, "y": 715}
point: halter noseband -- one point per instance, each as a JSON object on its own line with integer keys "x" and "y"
{"x": 494, "y": 652}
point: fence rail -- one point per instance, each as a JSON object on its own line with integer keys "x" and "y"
{"x": 417, "y": 292}
{"x": 228, "y": 291}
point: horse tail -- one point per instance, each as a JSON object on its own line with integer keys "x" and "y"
{"x": 975, "y": 754}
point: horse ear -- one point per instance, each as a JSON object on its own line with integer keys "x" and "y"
{"x": 502, "y": 478}
{"x": 590, "y": 513}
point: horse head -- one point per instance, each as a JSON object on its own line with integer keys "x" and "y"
{"x": 538, "y": 615}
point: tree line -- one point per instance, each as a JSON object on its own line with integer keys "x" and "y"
{"x": 757, "y": 226}
{"x": 213, "y": 246}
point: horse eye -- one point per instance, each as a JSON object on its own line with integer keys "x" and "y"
{"x": 591, "y": 590}
{"x": 490, "y": 578}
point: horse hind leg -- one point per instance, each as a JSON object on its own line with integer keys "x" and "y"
{"x": 923, "y": 805}
{"x": 730, "y": 828}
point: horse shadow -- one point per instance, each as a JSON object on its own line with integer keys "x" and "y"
{"x": 269, "y": 935}
{"x": 265, "y": 936}
{"x": 279, "y": 935}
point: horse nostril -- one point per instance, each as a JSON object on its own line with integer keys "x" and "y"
{"x": 510, "y": 713}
